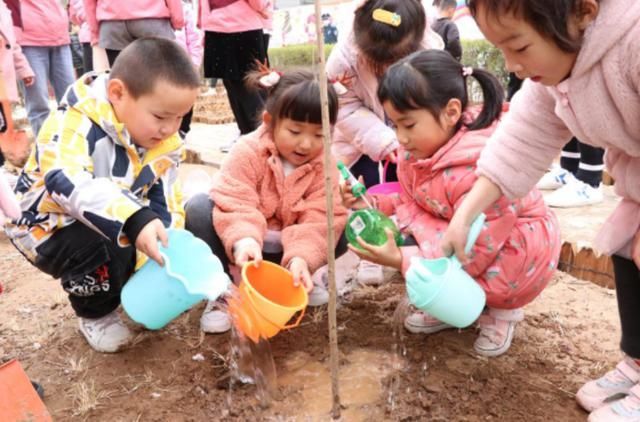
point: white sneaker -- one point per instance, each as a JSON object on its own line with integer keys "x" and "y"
{"x": 213, "y": 320}
{"x": 554, "y": 179}
{"x": 421, "y": 322}
{"x": 318, "y": 296}
{"x": 575, "y": 194}
{"x": 107, "y": 334}
{"x": 497, "y": 328}
{"x": 370, "y": 274}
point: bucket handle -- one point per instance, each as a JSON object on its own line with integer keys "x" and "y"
{"x": 282, "y": 327}
{"x": 384, "y": 171}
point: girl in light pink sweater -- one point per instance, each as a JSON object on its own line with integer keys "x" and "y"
{"x": 582, "y": 59}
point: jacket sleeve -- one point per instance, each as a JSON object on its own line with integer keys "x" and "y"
{"x": 90, "y": 9}
{"x": 357, "y": 124}
{"x": 165, "y": 199}
{"x": 67, "y": 167}
{"x": 20, "y": 62}
{"x": 307, "y": 238}
{"x": 194, "y": 38}
{"x": 525, "y": 142}
{"x": 176, "y": 14}
{"x": 258, "y": 5}
{"x": 236, "y": 213}
{"x": 76, "y": 12}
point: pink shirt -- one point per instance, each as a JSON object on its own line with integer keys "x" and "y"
{"x": 239, "y": 16}
{"x": 45, "y": 24}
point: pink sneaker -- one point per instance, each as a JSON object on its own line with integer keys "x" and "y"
{"x": 497, "y": 327}
{"x": 623, "y": 410}
{"x": 615, "y": 384}
{"x": 422, "y": 323}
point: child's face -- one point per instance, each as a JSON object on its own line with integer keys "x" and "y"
{"x": 527, "y": 53}
{"x": 297, "y": 142}
{"x": 419, "y": 132}
{"x": 153, "y": 117}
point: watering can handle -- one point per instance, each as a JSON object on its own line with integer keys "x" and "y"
{"x": 474, "y": 232}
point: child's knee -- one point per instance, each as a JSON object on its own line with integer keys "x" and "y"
{"x": 198, "y": 212}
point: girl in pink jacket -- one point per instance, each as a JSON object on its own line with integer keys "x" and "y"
{"x": 268, "y": 201}
{"x": 583, "y": 64}
{"x": 425, "y": 96}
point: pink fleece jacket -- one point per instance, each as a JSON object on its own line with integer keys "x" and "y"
{"x": 252, "y": 194}
{"x": 78, "y": 17}
{"x": 518, "y": 248}
{"x": 599, "y": 103}
{"x": 45, "y": 24}
{"x": 97, "y": 11}
{"x": 190, "y": 37}
{"x": 361, "y": 127}
{"x": 13, "y": 64}
{"x": 239, "y": 16}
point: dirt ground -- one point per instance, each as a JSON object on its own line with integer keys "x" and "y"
{"x": 570, "y": 335}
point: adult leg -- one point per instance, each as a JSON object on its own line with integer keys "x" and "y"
{"x": 627, "y": 276}
{"x": 87, "y": 57}
{"x": 245, "y": 105}
{"x": 112, "y": 55}
{"x": 61, "y": 70}
{"x": 37, "y": 95}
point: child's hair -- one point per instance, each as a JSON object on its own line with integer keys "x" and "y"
{"x": 429, "y": 79}
{"x": 548, "y": 17}
{"x": 295, "y": 96}
{"x": 149, "y": 59}
{"x": 382, "y": 43}
{"x": 447, "y": 4}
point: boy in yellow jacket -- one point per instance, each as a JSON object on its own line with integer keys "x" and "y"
{"x": 101, "y": 181}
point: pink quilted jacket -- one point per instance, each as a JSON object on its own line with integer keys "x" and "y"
{"x": 13, "y": 64}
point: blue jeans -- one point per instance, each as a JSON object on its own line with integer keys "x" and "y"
{"x": 50, "y": 64}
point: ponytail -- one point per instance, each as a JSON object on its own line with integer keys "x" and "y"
{"x": 492, "y": 95}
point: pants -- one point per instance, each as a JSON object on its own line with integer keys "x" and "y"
{"x": 87, "y": 57}
{"x": 92, "y": 269}
{"x": 584, "y": 161}
{"x": 246, "y": 105}
{"x": 185, "y": 126}
{"x": 112, "y": 55}
{"x": 627, "y": 277}
{"x": 368, "y": 169}
{"x": 199, "y": 221}
{"x": 49, "y": 64}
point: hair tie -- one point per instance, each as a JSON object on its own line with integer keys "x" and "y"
{"x": 270, "y": 80}
{"x": 467, "y": 71}
{"x": 384, "y": 16}
{"x": 341, "y": 83}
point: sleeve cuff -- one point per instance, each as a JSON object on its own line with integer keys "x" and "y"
{"x": 134, "y": 224}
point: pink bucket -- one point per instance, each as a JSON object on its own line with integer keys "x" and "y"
{"x": 385, "y": 188}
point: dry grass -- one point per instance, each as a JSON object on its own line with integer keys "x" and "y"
{"x": 86, "y": 397}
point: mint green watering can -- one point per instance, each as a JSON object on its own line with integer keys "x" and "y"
{"x": 443, "y": 289}
{"x": 155, "y": 295}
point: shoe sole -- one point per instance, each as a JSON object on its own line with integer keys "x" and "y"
{"x": 418, "y": 329}
{"x": 492, "y": 353}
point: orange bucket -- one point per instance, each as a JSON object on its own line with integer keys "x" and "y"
{"x": 266, "y": 300}
{"x": 18, "y": 399}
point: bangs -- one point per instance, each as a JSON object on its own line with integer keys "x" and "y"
{"x": 302, "y": 103}
{"x": 402, "y": 86}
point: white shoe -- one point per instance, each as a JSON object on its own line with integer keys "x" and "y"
{"x": 423, "y": 323}
{"x": 346, "y": 271}
{"x": 575, "y": 194}
{"x": 554, "y": 179}
{"x": 107, "y": 334}
{"x": 497, "y": 328}
{"x": 213, "y": 320}
{"x": 318, "y": 296}
{"x": 370, "y": 274}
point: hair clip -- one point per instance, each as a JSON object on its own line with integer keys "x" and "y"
{"x": 384, "y": 16}
{"x": 270, "y": 80}
{"x": 467, "y": 71}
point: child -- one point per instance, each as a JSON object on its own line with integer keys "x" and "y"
{"x": 363, "y": 136}
{"x": 425, "y": 96}
{"x": 447, "y": 29}
{"x": 268, "y": 201}
{"x": 584, "y": 70}
{"x": 45, "y": 43}
{"x": 102, "y": 177}
{"x": 114, "y": 24}
{"x": 77, "y": 17}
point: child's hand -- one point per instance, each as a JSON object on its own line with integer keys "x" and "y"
{"x": 147, "y": 240}
{"x": 29, "y": 80}
{"x": 249, "y": 251}
{"x": 300, "y": 272}
{"x": 455, "y": 238}
{"x": 635, "y": 249}
{"x": 388, "y": 254}
{"x": 348, "y": 200}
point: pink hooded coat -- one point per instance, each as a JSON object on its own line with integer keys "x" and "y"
{"x": 361, "y": 127}
{"x": 13, "y": 64}
{"x": 239, "y": 16}
{"x": 599, "y": 103}
{"x": 517, "y": 251}
{"x": 45, "y": 24}
{"x": 252, "y": 194}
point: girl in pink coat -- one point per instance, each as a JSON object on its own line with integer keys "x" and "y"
{"x": 268, "y": 200}
{"x": 425, "y": 96}
{"x": 583, "y": 64}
